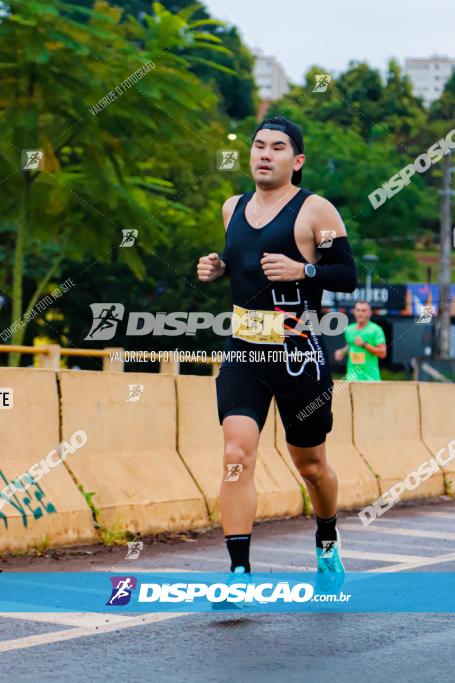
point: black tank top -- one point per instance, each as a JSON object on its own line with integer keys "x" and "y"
{"x": 244, "y": 248}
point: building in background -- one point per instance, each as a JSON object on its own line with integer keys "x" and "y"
{"x": 270, "y": 78}
{"x": 428, "y": 75}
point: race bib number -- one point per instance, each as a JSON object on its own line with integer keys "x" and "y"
{"x": 259, "y": 327}
{"x": 357, "y": 357}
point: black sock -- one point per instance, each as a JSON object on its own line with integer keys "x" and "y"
{"x": 238, "y": 546}
{"x": 326, "y": 530}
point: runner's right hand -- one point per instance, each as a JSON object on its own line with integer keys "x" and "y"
{"x": 210, "y": 267}
{"x": 339, "y": 354}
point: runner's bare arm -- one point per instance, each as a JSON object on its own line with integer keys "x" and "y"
{"x": 380, "y": 350}
{"x": 213, "y": 266}
{"x": 335, "y": 269}
{"x": 228, "y": 209}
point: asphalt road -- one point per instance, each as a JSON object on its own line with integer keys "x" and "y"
{"x": 240, "y": 647}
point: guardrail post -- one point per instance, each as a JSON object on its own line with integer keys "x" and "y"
{"x": 110, "y": 363}
{"x": 51, "y": 359}
{"x": 170, "y": 367}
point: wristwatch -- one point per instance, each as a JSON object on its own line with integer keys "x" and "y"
{"x": 309, "y": 270}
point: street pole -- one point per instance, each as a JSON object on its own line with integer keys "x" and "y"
{"x": 368, "y": 284}
{"x": 368, "y": 258}
{"x": 445, "y": 262}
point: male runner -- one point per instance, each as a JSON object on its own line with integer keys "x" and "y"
{"x": 365, "y": 342}
{"x": 276, "y": 269}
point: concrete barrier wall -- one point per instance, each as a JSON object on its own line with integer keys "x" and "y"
{"x": 51, "y": 511}
{"x": 357, "y": 484}
{"x": 200, "y": 443}
{"x": 130, "y": 460}
{"x": 387, "y": 433}
{"x": 437, "y": 406}
{"x": 154, "y": 456}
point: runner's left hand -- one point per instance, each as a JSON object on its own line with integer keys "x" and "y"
{"x": 280, "y": 267}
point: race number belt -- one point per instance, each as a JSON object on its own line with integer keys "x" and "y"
{"x": 258, "y": 327}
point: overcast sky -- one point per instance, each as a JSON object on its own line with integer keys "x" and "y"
{"x": 301, "y": 33}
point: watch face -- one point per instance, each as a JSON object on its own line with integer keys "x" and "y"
{"x": 310, "y": 270}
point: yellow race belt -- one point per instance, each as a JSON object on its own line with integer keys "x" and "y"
{"x": 258, "y": 327}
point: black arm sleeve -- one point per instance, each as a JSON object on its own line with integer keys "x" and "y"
{"x": 336, "y": 269}
{"x": 224, "y": 258}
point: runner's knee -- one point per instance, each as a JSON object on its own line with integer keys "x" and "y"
{"x": 238, "y": 454}
{"x": 311, "y": 470}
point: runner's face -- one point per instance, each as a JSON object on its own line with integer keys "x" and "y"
{"x": 362, "y": 313}
{"x": 272, "y": 158}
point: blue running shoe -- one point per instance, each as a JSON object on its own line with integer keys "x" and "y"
{"x": 329, "y": 560}
{"x": 239, "y": 575}
{"x": 330, "y": 573}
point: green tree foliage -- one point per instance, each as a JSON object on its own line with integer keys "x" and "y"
{"x": 125, "y": 167}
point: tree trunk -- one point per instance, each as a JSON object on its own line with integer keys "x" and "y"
{"x": 18, "y": 269}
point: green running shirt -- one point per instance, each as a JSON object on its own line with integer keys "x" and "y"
{"x": 364, "y": 363}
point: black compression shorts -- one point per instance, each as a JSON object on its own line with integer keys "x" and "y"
{"x": 304, "y": 402}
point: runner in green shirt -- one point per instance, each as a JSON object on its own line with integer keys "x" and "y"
{"x": 365, "y": 345}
